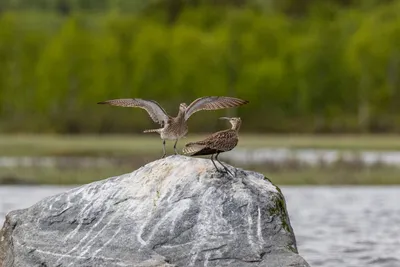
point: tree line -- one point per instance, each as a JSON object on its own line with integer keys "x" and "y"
{"x": 334, "y": 70}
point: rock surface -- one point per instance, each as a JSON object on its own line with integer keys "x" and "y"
{"x": 175, "y": 211}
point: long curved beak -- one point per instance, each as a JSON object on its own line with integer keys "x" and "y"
{"x": 224, "y": 118}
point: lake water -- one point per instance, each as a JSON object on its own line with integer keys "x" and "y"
{"x": 334, "y": 226}
{"x": 241, "y": 156}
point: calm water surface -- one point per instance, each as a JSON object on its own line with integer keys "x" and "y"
{"x": 334, "y": 226}
{"x": 263, "y": 155}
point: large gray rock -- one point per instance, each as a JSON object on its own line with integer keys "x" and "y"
{"x": 175, "y": 211}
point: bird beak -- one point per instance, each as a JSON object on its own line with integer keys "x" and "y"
{"x": 224, "y": 118}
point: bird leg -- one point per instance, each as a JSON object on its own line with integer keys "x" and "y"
{"x": 164, "y": 152}
{"x": 212, "y": 155}
{"x": 226, "y": 169}
{"x": 176, "y": 152}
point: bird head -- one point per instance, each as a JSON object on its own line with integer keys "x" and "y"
{"x": 235, "y": 121}
{"x": 182, "y": 107}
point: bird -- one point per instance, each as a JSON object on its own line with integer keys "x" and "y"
{"x": 175, "y": 128}
{"x": 216, "y": 143}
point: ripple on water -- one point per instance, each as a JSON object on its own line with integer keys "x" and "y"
{"x": 354, "y": 250}
{"x": 328, "y": 262}
{"x": 389, "y": 261}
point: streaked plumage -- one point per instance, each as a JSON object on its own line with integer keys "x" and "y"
{"x": 216, "y": 143}
{"x": 174, "y": 128}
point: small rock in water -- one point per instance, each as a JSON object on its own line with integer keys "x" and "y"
{"x": 176, "y": 211}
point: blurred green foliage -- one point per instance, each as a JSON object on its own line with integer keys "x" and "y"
{"x": 331, "y": 67}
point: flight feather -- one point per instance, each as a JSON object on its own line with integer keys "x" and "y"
{"x": 213, "y": 103}
{"x": 155, "y": 111}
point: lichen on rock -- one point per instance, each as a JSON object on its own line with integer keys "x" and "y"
{"x": 176, "y": 211}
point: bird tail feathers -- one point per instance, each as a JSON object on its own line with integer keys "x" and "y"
{"x": 191, "y": 148}
{"x": 152, "y": 131}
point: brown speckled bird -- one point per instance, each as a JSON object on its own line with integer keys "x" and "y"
{"x": 174, "y": 128}
{"x": 216, "y": 143}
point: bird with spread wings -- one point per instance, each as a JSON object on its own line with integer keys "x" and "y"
{"x": 174, "y": 128}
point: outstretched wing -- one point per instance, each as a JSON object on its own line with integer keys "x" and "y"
{"x": 212, "y": 103}
{"x": 156, "y": 112}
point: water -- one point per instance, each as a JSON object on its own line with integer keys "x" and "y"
{"x": 313, "y": 157}
{"x": 346, "y": 226}
{"x": 260, "y": 156}
{"x": 334, "y": 226}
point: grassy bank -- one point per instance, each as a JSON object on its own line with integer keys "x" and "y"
{"x": 125, "y": 145}
{"x": 305, "y": 176}
{"x": 130, "y": 152}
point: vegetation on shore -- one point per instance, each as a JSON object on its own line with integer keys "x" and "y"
{"x": 151, "y": 145}
{"x": 329, "y": 68}
{"x": 335, "y": 175}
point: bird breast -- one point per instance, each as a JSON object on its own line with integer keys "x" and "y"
{"x": 174, "y": 130}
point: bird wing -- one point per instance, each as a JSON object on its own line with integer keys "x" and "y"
{"x": 212, "y": 103}
{"x": 222, "y": 140}
{"x": 155, "y": 111}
